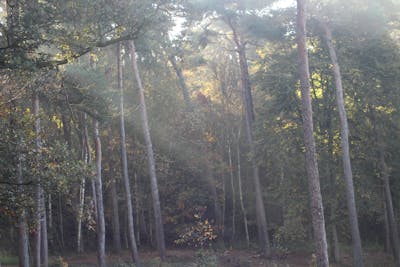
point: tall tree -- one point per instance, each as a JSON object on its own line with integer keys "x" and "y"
{"x": 23, "y": 241}
{"x": 124, "y": 158}
{"x": 150, "y": 155}
{"x": 100, "y": 223}
{"x": 317, "y": 210}
{"x": 249, "y": 119}
{"x": 348, "y": 174}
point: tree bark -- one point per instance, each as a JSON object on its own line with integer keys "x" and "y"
{"x": 116, "y": 229}
{"x": 100, "y": 224}
{"x": 115, "y": 218}
{"x": 23, "y": 242}
{"x": 233, "y": 194}
{"x": 150, "y": 157}
{"x": 249, "y": 119}
{"x": 80, "y": 215}
{"x": 348, "y": 174}
{"x": 182, "y": 83}
{"x": 239, "y": 176}
{"x": 389, "y": 207}
{"x": 38, "y": 189}
{"x": 61, "y": 221}
{"x": 317, "y": 210}
{"x": 387, "y": 228}
{"x": 45, "y": 246}
{"x": 124, "y": 158}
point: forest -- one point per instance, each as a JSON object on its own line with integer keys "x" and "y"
{"x": 199, "y": 133}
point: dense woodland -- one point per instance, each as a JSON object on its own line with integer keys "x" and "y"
{"x": 254, "y": 125}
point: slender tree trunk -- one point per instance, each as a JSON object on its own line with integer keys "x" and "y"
{"x": 389, "y": 207}
{"x": 182, "y": 83}
{"x": 217, "y": 207}
{"x": 137, "y": 207}
{"x": 80, "y": 215}
{"x": 150, "y": 156}
{"x": 23, "y": 242}
{"x": 114, "y": 197}
{"x": 45, "y": 246}
{"x": 244, "y": 212}
{"x": 335, "y": 240}
{"x": 348, "y": 174}
{"x": 249, "y": 119}
{"x": 317, "y": 210}
{"x": 61, "y": 221}
{"x": 115, "y": 218}
{"x": 100, "y": 224}
{"x": 38, "y": 196}
{"x": 223, "y": 206}
{"x": 233, "y": 194}
{"x": 124, "y": 157}
{"x": 387, "y": 228}
{"x": 50, "y": 208}
{"x": 335, "y": 249}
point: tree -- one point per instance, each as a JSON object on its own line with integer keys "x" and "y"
{"x": 100, "y": 227}
{"x": 317, "y": 210}
{"x": 150, "y": 156}
{"x": 348, "y": 174}
{"x": 124, "y": 157}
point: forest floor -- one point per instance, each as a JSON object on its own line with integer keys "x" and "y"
{"x": 204, "y": 258}
{"x": 228, "y": 258}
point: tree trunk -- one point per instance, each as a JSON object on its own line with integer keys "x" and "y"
{"x": 100, "y": 224}
{"x": 239, "y": 175}
{"x": 80, "y": 215}
{"x": 45, "y": 246}
{"x": 137, "y": 207}
{"x": 233, "y": 194}
{"x": 116, "y": 229}
{"x": 387, "y": 228}
{"x": 182, "y": 83}
{"x": 249, "y": 119}
{"x": 89, "y": 161}
{"x": 150, "y": 156}
{"x": 348, "y": 174}
{"x": 335, "y": 240}
{"x": 23, "y": 241}
{"x": 61, "y": 221}
{"x": 389, "y": 208}
{"x": 115, "y": 218}
{"x": 317, "y": 210}
{"x": 124, "y": 157}
{"x": 38, "y": 196}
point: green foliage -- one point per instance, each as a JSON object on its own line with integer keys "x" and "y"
{"x": 206, "y": 258}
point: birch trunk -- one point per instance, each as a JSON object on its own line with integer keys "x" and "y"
{"x": 124, "y": 157}
{"x": 348, "y": 174}
{"x": 159, "y": 227}
{"x": 100, "y": 224}
{"x": 317, "y": 210}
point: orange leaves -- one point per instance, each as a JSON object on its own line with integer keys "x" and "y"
{"x": 202, "y": 234}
